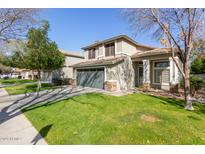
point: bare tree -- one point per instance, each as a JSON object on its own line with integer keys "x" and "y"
{"x": 15, "y": 22}
{"x": 178, "y": 28}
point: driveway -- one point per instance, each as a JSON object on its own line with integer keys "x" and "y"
{"x": 15, "y": 128}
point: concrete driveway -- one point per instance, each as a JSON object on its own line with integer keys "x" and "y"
{"x": 15, "y": 128}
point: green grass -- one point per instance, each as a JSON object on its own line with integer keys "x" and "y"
{"x": 15, "y": 81}
{"x": 26, "y": 88}
{"x": 101, "y": 119}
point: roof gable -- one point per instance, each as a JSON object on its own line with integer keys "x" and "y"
{"x": 125, "y": 37}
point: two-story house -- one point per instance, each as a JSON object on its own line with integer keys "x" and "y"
{"x": 120, "y": 63}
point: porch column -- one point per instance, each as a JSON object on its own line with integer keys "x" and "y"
{"x": 173, "y": 76}
{"x": 174, "y": 72}
{"x": 146, "y": 71}
{"x": 171, "y": 70}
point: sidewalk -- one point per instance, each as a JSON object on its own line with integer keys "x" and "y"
{"x": 19, "y": 131}
{"x": 3, "y": 92}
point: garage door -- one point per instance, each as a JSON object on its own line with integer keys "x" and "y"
{"x": 91, "y": 78}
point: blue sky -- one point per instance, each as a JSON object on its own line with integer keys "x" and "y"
{"x": 73, "y": 29}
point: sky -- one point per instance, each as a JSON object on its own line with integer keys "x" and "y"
{"x": 73, "y": 29}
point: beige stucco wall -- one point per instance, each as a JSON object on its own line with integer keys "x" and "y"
{"x": 100, "y": 51}
{"x": 123, "y": 73}
{"x": 67, "y": 70}
{"x": 119, "y": 46}
{"x": 128, "y": 48}
{"x": 86, "y": 54}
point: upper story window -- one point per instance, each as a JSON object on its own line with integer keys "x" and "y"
{"x": 91, "y": 54}
{"x": 110, "y": 49}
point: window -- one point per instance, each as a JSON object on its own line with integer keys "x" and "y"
{"x": 91, "y": 54}
{"x": 161, "y": 72}
{"x": 110, "y": 49}
{"x": 162, "y": 64}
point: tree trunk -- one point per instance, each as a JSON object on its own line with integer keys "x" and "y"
{"x": 39, "y": 82}
{"x": 32, "y": 76}
{"x": 187, "y": 91}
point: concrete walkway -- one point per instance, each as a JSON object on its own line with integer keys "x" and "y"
{"x": 15, "y": 128}
{"x": 3, "y": 92}
{"x": 18, "y": 130}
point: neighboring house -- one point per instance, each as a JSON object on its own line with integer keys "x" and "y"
{"x": 120, "y": 63}
{"x": 66, "y": 72}
{"x": 26, "y": 74}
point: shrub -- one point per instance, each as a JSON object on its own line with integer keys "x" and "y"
{"x": 198, "y": 65}
{"x": 196, "y": 84}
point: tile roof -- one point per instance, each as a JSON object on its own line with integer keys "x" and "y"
{"x": 157, "y": 51}
{"x": 100, "y": 62}
{"x": 72, "y": 54}
{"x": 115, "y": 38}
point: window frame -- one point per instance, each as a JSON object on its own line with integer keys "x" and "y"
{"x": 111, "y": 46}
{"x": 160, "y": 68}
{"x": 92, "y": 53}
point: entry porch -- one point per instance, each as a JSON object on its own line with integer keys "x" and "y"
{"x": 160, "y": 73}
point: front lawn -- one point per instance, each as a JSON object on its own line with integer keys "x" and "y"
{"x": 133, "y": 119}
{"x": 15, "y": 81}
{"x": 26, "y": 88}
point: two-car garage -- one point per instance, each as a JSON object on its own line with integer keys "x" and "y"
{"x": 91, "y": 77}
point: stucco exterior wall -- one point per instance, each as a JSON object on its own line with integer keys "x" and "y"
{"x": 100, "y": 51}
{"x": 123, "y": 73}
{"x": 128, "y": 48}
{"x": 86, "y": 54}
{"x": 119, "y": 46}
{"x": 67, "y": 70}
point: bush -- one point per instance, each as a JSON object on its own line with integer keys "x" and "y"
{"x": 57, "y": 81}
{"x": 198, "y": 65}
{"x": 196, "y": 84}
{"x": 19, "y": 77}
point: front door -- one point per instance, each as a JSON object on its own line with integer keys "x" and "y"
{"x": 140, "y": 75}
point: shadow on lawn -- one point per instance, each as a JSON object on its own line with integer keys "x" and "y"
{"x": 166, "y": 100}
{"x": 199, "y": 108}
{"x": 57, "y": 101}
{"x": 42, "y": 134}
{"x": 33, "y": 87}
{"x": 31, "y": 100}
